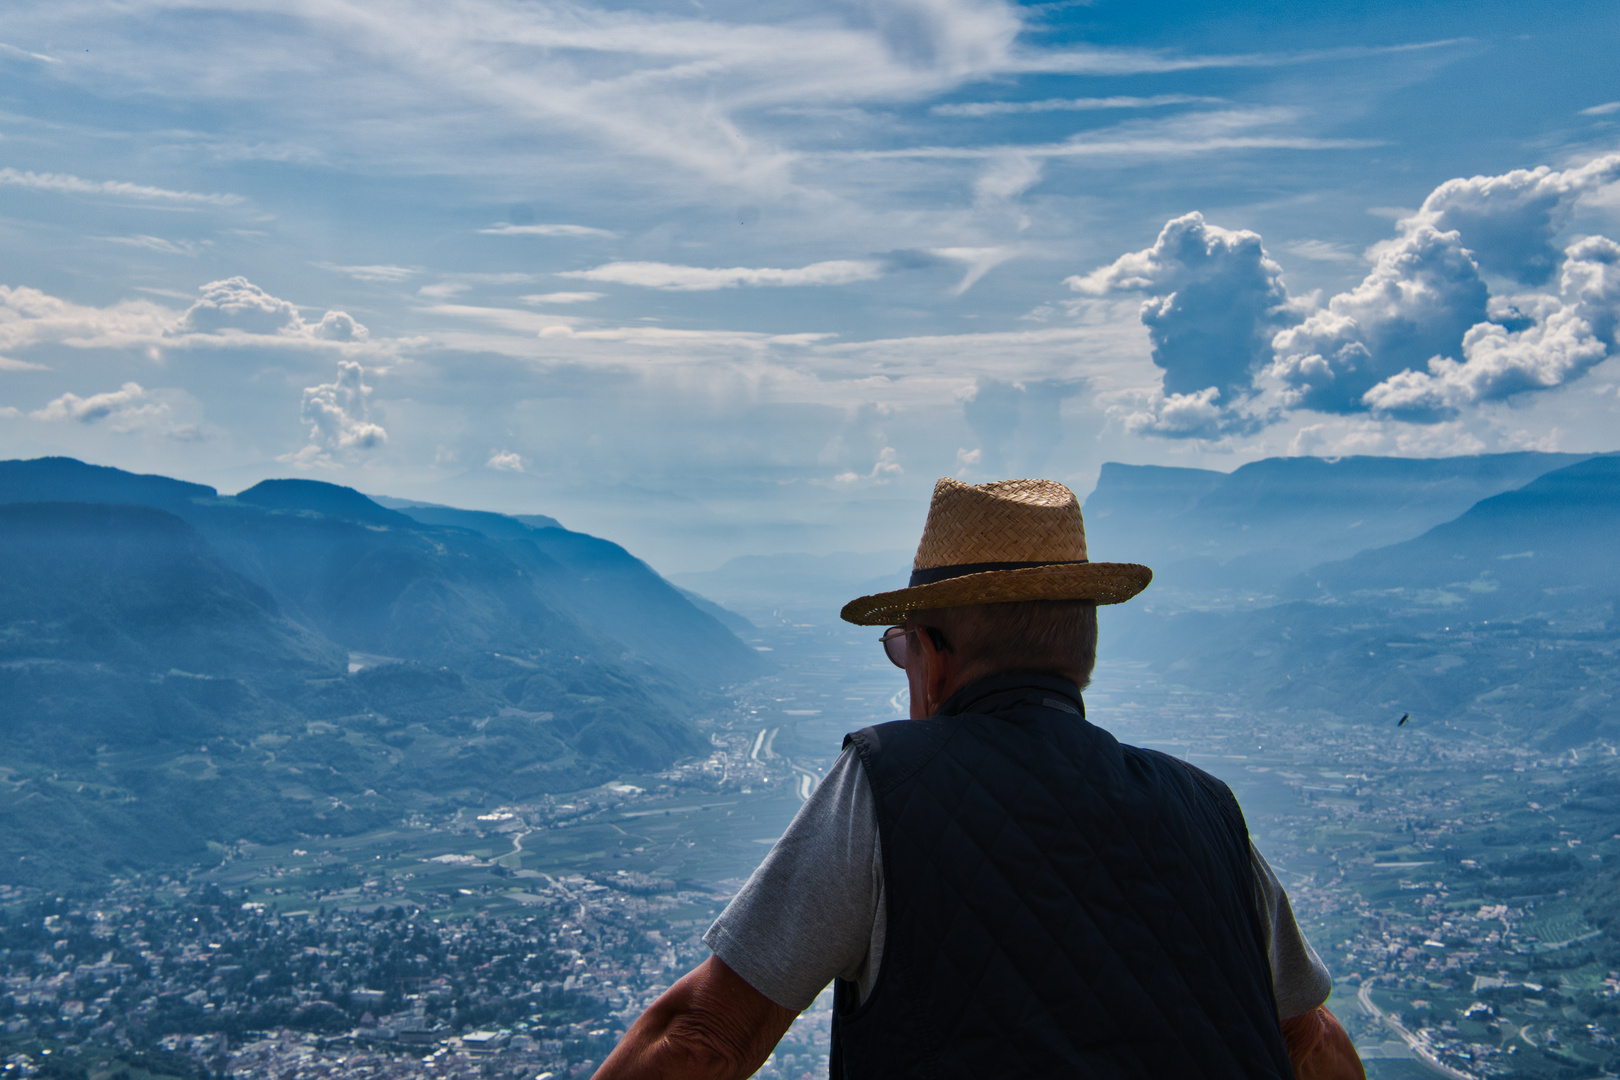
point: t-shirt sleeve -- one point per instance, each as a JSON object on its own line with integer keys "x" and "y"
{"x": 806, "y": 914}
{"x": 1299, "y": 978}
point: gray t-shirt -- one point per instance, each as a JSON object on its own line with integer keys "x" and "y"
{"x": 814, "y": 910}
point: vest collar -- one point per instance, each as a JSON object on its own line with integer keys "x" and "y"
{"x": 994, "y": 693}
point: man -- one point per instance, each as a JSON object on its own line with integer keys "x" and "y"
{"x": 999, "y": 888}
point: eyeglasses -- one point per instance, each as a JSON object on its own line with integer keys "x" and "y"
{"x": 896, "y": 639}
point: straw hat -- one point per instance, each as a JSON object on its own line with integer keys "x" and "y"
{"x": 999, "y": 542}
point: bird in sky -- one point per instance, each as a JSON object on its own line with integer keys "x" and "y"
{"x": 1402, "y": 721}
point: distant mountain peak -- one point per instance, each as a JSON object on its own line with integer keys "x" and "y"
{"x": 318, "y": 496}
{"x": 65, "y": 479}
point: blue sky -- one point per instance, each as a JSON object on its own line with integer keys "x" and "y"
{"x": 715, "y": 278}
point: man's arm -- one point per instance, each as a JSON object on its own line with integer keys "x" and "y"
{"x": 1319, "y": 1048}
{"x": 711, "y": 1025}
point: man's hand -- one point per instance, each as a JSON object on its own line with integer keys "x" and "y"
{"x": 711, "y": 1025}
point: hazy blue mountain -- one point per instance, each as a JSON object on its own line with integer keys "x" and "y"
{"x": 601, "y": 584}
{"x": 136, "y": 587}
{"x": 498, "y": 526}
{"x": 731, "y": 620}
{"x": 300, "y": 658}
{"x": 1545, "y": 548}
{"x": 61, "y": 479}
{"x": 1249, "y": 530}
{"x": 1504, "y": 616}
{"x": 318, "y": 497}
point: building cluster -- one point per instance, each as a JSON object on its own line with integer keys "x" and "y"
{"x": 242, "y": 989}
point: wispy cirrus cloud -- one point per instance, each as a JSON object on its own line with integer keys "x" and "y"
{"x": 504, "y": 229}
{"x": 1187, "y": 135}
{"x": 68, "y": 184}
{"x": 383, "y": 273}
{"x": 562, "y": 297}
{"x": 191, "y": 248}
{"x": 1088, "y": 104}
{"x": 672, "y": 277}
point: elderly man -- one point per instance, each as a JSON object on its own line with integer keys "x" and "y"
{"x": 998, "y": 887}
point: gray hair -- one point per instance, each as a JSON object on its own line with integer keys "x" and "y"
{"x": 1057, "y": 637}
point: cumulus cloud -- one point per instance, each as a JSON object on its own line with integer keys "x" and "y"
{"x": 237, "y": 306}
{"x": 1534, "y": 343}
{"x": 1216, "y": 299}
{"x": 1419, "y": 338}
{"x": 338, "y": 326}
{"x": 337, "y": 415}
{"x": 1172, "y": 416}
{"x": 1421, "y": 297}
{"x": 676, "y": 278}
{"x": 885, "y": 468}
{"x": 1508, "y": 222}
{"x": 129, "y": 408}
{"x": 505, "y": 461}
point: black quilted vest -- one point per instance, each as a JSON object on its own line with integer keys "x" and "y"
{"x": 1059, "y": 904}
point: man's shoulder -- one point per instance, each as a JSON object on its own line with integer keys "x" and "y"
{"x": 891, "y": 752}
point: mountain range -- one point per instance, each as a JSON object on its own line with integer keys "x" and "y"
{"x": 180, "y": 668}
{"x": 1499, "y": 616}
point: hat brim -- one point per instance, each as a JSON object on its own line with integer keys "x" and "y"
{"x": 1105, "y": 583}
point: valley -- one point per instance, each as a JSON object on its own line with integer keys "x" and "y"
{"x": 1426, "y": 755}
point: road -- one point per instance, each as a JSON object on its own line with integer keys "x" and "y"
{"x": 1415, "y": 1044}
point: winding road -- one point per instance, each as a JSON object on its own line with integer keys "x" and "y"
{"x": 1415, "y": 1044}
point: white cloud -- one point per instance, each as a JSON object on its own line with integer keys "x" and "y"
{"x": 504, "y": 229}
{"x": 562, "y": 297}
{"x": 74, "y": 185}
{"x": 1174, "y": 416}
{"x": 14, "y": 51}
{"x": 979, "y": 260}
{"x": 1010, "y": 108}
{"x": 885, "y": 468}
{"x": 371, "y": 273}
{"x": 1216, "y": 299}
{"x": 1419, "y": 338}
{"x": 1605, "y": 109}
{"x": 129, "y": 408}
{"x": 29, "y": 317}
{"x": 505, "y": 461}
{"x": 338, "y": 326}
{"x": 1508, "y": 222}
{"x": 1418, "y": 301}
{"x": 158, "y": 244}
{"x": 675, "y": 278}
{"x": 1565, "y": 336}
{"x": 337, "y": 414}
{"x": 236, "y": 306}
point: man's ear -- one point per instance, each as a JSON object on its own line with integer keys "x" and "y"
{"x": 939, "y": 669}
